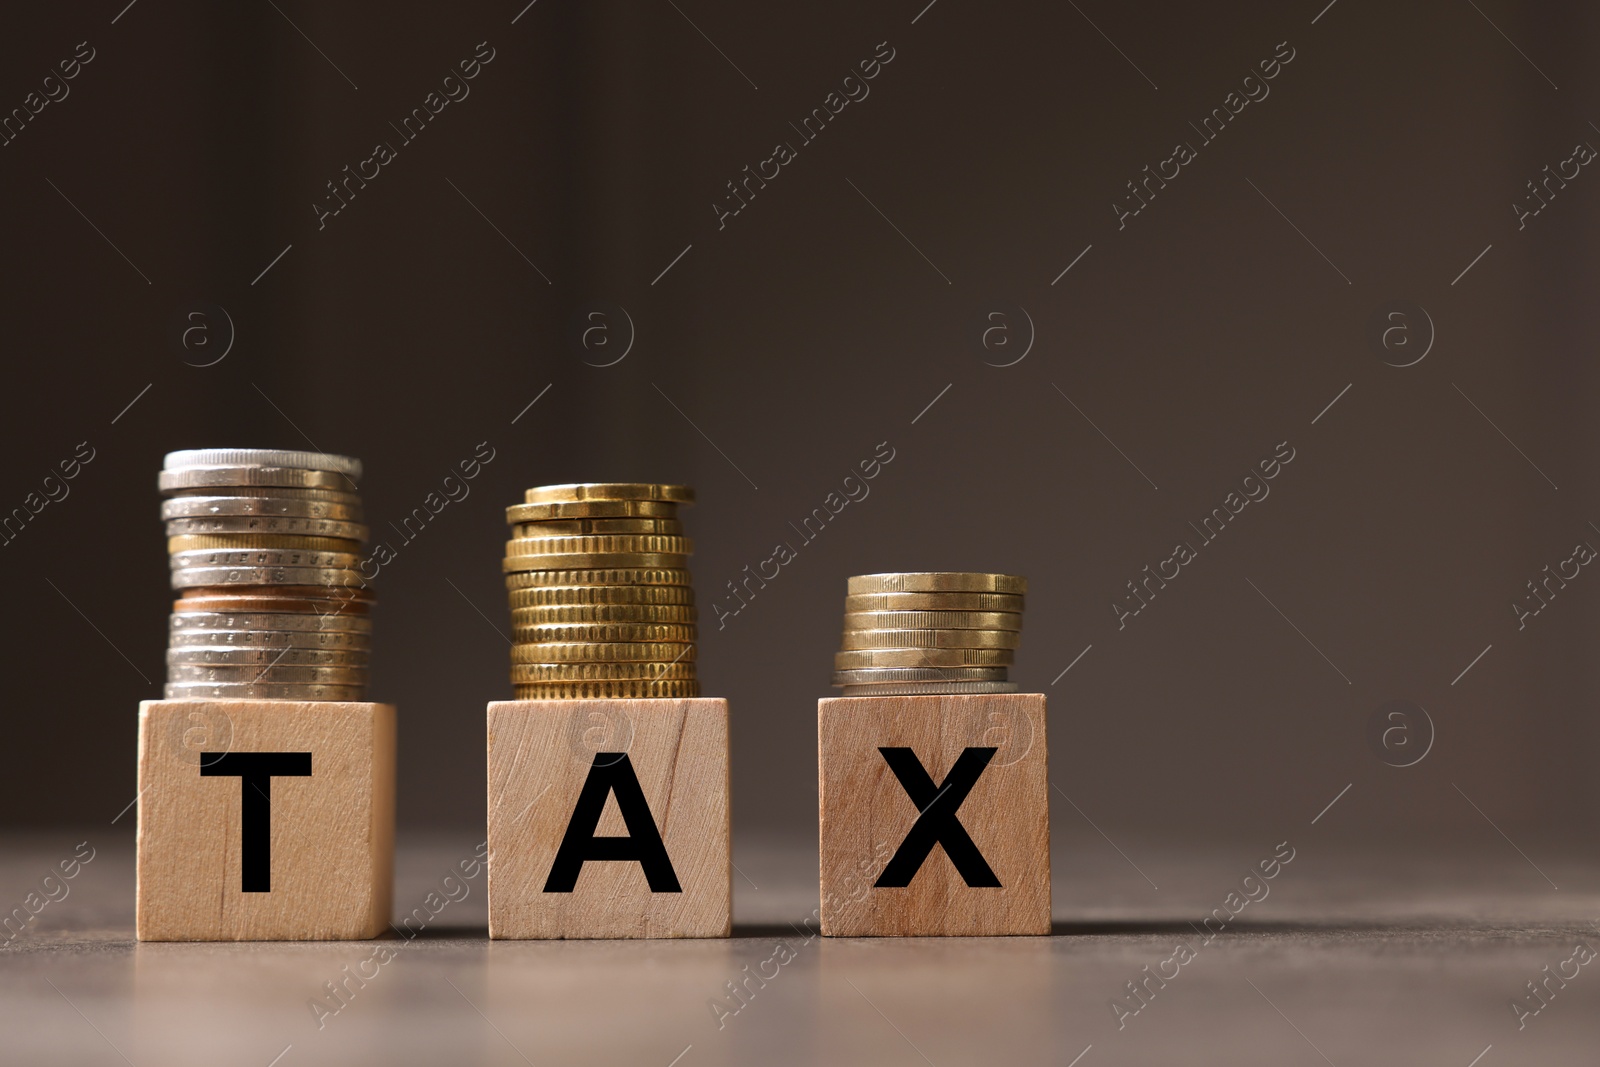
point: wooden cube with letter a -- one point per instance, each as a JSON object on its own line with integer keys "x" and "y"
{"x": 265, "y": 820}
{"x": 609, "y": 818}
{"x": 935, "y": 815}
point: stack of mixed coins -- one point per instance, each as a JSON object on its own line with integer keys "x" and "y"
{"x": 601, "y": 606}
{"x": 265, "y": 549}
{"x": 929, "y": 632}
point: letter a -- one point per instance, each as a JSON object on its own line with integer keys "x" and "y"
{"x": 612, "y": 773}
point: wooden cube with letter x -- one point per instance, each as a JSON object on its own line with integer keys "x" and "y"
{"x": 265, "y": 819}
{"x": 934, "y": 815}
{"x": 609, "y": 818}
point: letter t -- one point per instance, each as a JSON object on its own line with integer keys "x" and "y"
{"x": 255, "y": 771}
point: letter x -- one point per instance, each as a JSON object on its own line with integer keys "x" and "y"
{"x": 936, "y": 820}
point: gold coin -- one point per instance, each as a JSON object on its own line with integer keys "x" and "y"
{"x": 598, "y": 544}
{"x": 592, "y": 509}
{"x": 932, "y": 620}
{"x": 190, "y": 542}
{"x": 886, "y": 675}
{"x": 625, "y": 576}
{"x": 570, "y": 561}
{"x": 937, "y": 582}
{"x": 528, "y": 673}
{"x": 613, "y": 613}
{"x": 589, "y": 527}
{"x": 542, "y": 596}
{"x": 573, "y": 491}
{"x": 933, "y": 602}
{"x": 860, "y": 659}
{"x": 605, "y": 652}
{"x": 543, "y": 633}
{"x": 930, "y": 639}
{"x": 619, "y": 690}
{"x": 252, "y": 477}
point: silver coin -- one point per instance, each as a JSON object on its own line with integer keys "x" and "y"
{"x": 261, "y": 457}
{"x": 927, "y": 689}
{"x": 253, "y": 673}
{"x": 197, "y": 577}
{"x": 286, "y": 477}
{"x": 268, "y": 639}
{"x": 263, "y": 557}
{"x": 269, "y": 657}
{"x": 349, "y": 495}
{"x": 277, "y": 525}
{"x": 261, "y": 691}
{"x": 879, "y": 675}
{"x": 212, "y": 621}
{"x": 260, "y": 504}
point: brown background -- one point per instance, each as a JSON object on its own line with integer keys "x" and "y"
{"x": 809, "y": 330}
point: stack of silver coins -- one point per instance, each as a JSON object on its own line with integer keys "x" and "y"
{"x": 918, "y": 632}
{"x": 265, "y": 549}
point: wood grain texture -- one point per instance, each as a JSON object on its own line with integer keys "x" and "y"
{"x": 866, "y": 814}
{"x": 541, "y": 752}
{"x": 332, "y": 832}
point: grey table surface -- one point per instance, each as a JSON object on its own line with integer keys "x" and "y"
{"x": 1409, "y": 956}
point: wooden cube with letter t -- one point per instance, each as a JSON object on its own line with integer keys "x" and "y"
{"x": 954, "y": 790}
{"x": 609, "y": 818}
{"x": 265, "y": 820}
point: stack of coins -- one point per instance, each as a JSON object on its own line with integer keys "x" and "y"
{"x": 929, "y": 632}
{"x": 601, "y": 606}
{"x": 265, "y": 547}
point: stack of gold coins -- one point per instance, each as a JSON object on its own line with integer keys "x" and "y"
{"x": 929, "y": 632}
{"x": 601, "y": 606}
{"x": 265, "y": 549}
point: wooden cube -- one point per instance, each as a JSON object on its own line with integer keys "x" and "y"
{"x": 935, "y": 815}
{"x": 609, "y": 818}
{"x": 264, "y": 820}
